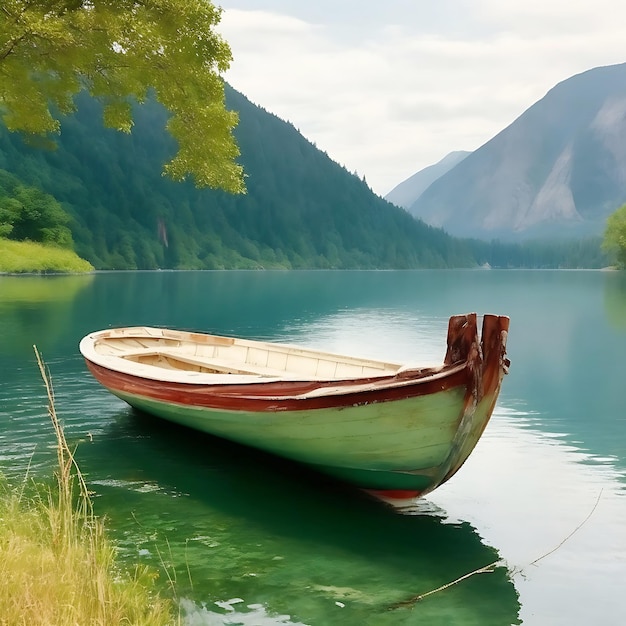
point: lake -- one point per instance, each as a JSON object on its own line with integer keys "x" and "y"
{"x": 253, "y": 540}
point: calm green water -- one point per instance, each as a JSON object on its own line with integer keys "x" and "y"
{"x": 255, "y": 541}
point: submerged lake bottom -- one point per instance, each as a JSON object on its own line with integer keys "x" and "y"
{"x": 251, "y": 539}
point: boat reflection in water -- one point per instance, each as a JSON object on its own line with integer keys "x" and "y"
{"x": 240, "y": 523}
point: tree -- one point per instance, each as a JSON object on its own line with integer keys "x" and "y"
{"x": 28, "y": 213}
{"x": 119, "y": 50}
{"x": 615, "y": 236}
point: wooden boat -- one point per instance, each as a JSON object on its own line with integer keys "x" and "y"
{"x": 395, "y": 429}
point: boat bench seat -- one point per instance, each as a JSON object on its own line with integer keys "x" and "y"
{"x": 226, "y": 366}
{"x": 220, "y": 365}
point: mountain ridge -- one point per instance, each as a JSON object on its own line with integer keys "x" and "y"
{"x": 555, "y": 171}
{"x": 408, "y": 191}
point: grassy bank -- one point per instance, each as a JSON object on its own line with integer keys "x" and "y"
{"x": 58, "y": 567}
{"x": 27, "y": 256}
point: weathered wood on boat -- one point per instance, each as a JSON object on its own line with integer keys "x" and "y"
{"x": 393, "y": 428}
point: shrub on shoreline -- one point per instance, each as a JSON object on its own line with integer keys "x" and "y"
{"x": 17, "y": 257}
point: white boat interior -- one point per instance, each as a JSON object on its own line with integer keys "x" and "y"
{"x": 211, "y": 354}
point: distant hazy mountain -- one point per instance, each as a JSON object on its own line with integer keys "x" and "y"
{"x": 559, "y": 169}
{"x": 408, "y": 191}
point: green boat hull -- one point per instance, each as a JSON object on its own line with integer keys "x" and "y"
{"x": 398, "y": 446}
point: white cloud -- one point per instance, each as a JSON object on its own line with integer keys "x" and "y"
{"x": 388, "y": 96}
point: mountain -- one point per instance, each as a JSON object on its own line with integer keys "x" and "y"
{"x": 407, "y": 192}
{"x": 301, "y": 209}
{"x": 557, "y": 170}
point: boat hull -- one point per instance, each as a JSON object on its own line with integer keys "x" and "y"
{"x": 389, "y": 445}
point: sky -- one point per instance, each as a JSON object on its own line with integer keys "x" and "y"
{"x": 389, "y": 87}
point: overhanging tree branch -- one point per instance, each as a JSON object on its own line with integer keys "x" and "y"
{"x": 118, "y": 51}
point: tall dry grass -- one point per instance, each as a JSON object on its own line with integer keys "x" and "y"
{"x": 57, "y": 566}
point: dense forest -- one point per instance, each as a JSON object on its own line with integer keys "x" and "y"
{"x": 301, "y": 209}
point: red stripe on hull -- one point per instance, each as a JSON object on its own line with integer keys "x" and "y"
{"x": 395, "y": 494}
{"x": 277, "y": 396}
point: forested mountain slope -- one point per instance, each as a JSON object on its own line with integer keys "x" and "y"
{"x": 301, "y": 208}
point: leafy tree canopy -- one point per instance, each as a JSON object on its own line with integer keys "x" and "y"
{"x": 27, "y": 213}
{"x": 119, "y": 50}
{"x": 615, "y": 236}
